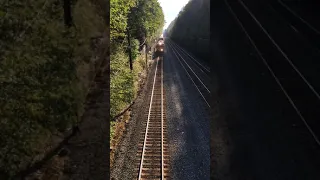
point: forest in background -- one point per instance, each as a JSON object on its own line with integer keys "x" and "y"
{"x": 191, "y": 28}
{"x": 47, "y": 62}
{"x": 143, "y": 21}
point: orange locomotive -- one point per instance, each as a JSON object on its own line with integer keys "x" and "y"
{"x": 159, "y": 49}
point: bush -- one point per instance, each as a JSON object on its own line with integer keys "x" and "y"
{"x": 121, "y": 83}
{"x": 124, "y": 84}
{"x": 135, "y": 48}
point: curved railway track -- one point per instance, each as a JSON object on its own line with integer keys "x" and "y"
{"x": 153, "y": 155}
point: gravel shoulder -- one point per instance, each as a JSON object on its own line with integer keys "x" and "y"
{"x": 188, "y": 123}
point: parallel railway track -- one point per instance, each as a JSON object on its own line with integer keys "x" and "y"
{"x": 197, "y": 72}
{"x": 293, "y": 75}
{"x": 304, "y": 27}
{"x": 153, "y": 156}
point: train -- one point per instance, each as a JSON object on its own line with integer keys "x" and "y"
{"x": 159, "y": 47}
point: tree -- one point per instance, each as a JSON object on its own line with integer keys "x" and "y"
{"x": 191, "y": 29}
{"x": 119, "y": 10}
{"x": 146, "y": 20}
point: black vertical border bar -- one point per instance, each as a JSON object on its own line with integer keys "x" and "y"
{"x": 215, "y": 22}
{"x": 211, "y": 99}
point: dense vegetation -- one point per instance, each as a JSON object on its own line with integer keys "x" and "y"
{"x": 46, "y": 66}
{"x": 191, "y": 29}
{"x": 142, "y": 20}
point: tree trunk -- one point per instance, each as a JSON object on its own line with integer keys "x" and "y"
{"x": 130, "y": 57}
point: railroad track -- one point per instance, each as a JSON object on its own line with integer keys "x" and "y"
{"x": 153, "y": 156}
{"x": 197, "y": 73}
{"x": 294, "y": 77}
{"x": 299, "y": 24}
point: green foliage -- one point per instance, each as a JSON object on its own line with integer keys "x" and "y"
{"x": 134, "y": 48}
{"x": 112, "y": 129}
{"x": 118, "y": 102}
{"x": 121, "y": 83}
{"x": 119, "y": 10}
{"x": 42, "y": 85}
{"x": 191, "y": 28}
{"x": 139, "y": 66}
{"x": 144, "y": 19}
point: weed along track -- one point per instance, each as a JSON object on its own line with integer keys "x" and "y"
{"x": 152, "y": 156}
